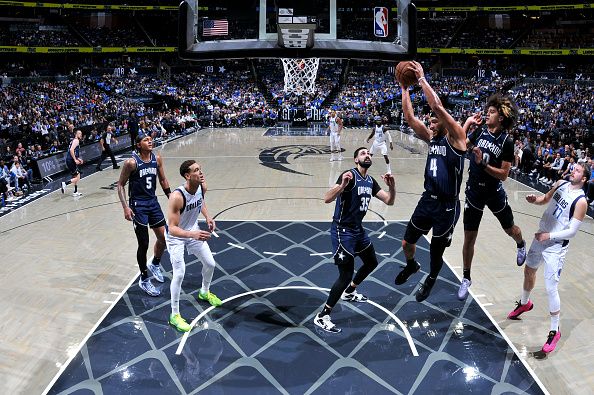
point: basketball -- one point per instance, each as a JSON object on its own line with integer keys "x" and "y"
{"x": 404, "y": 76}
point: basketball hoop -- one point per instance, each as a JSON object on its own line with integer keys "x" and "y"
{"x": 300, "y": 75}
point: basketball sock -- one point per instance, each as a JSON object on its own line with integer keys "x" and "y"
{"x": 326, "y": 311}
{"x": 555, "y": 322}
{"x": 525, "y": 297}
{"x": 389, "y": 169}
{"x": 430, "y": 280}
{"x": 410, "y": 262}
{"x": 75, "y": 188}
{"x": 521, "y": 244}
{"x": 156, "y": 261}
{"x": 466, "y": 273}
{"x": 350, "y": 289}
{"x": 144, "y": 275}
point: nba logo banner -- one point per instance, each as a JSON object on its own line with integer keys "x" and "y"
{"x": 380, "y": 21}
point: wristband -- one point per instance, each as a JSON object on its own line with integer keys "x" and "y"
{"x": 167, "y": 192}
{"x": 421, "y": 79}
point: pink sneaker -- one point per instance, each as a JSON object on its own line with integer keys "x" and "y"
{"x": 520, "y": 308}
{"x": 552, "y": 340}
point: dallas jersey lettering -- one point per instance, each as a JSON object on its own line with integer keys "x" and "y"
{"x": 333, "y": 124}
{"x": 143, "y": 181}
{"x": 352, "y": 203}
{"x": 188, "y": 218}
{"x": 76, "y": 153}
{"x": 381, "y": 135}
{"x": 500, "y": 148}
{"x": 560, "y": 209}
{"x": 443, "y": 170}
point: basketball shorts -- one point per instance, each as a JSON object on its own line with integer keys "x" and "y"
{"x": 435, "y": 213}
{"x": 349, "y": 241}
{"x": 147, "y": 213}
{"x": 477, "y": 197}
{"x": 381, "y": 148}
{"x": 551, "y": 253}
{"x": 72, "y": 168}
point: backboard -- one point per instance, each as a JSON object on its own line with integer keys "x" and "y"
{"x": 351, "y": 29}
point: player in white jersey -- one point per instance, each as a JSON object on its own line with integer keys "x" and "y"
{"x": 335, "y": 129}
{"x": 381, "y": 134}
{"x": 559, "y": 223}
{"x": 185, "y": 204}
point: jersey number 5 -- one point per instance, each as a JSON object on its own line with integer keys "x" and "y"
{"x": 149, "y": 183}
{"x": 433, "y": 166}
{"x": 364, "y": 204}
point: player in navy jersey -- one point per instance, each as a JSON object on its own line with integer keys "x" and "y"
{"x": 439, "y": 207}
{"x": 492, "y": 156}
{"x": 143, "y": 209}
{"x": 73, "y": 160}
{"x": 352, "y": 192}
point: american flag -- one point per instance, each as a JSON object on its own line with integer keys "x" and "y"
{"x": 215, "y": 27}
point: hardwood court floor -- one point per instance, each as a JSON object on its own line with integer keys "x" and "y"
{"x": 64, "y": 260}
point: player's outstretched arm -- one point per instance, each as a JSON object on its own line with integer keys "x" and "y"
{"x": 456, "y": 133}
{"x": 390, "y": 196}
{"x": 409, "y": 116}
{"x": 127, "y": 169}
{"x": 581, "y": 207}
{"x": 543, "y": 199}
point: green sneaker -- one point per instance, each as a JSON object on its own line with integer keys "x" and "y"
{"x": 179, "y": 323}
{"x": 210, "y": 298}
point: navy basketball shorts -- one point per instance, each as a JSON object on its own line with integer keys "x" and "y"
{"x": 348, "y": 241}
{"x": 147, "y": 213}
{"x": 477, "y": 197}
{"x": 72, "y": 168}
{"x": 435, "y": 213}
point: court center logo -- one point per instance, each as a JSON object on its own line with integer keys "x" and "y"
{"x": 277, "y": 158}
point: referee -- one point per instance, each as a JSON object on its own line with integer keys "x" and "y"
{"x": 105, "y": 142}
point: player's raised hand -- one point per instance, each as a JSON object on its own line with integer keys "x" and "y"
{"x": 389, "y": 180}
{"x": 417, "y": 69}
{"x": 475, "y": 119}
{"x": 346, "y": 177}
{"x": 531, "y": 198}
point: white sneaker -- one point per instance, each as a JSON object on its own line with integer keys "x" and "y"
{"x": 326, "y": 324}
{"x": 463, "y": 290}
{"x": 332, "y": 158}
{"x": 340, "y": 157}
{"x": 76, "y": 194}
{"x": 353, "y": 297}
{"x": 156, "y": 272}
{"x": 148, "y": 287}
{"x": 63, "y": 187}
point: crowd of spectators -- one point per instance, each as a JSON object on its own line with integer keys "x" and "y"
{"x": 36, "y": 35}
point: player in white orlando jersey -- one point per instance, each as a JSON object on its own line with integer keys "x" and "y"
{"x": 559, "y": 223}
{"x": 381, "y": 133}
{"x": 335, "y": 129}
{"x": 185, "y": 204}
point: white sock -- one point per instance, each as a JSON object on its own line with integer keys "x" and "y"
{"x": 525, "y": 297}
{"x": 555, "y": 322}
{"x": 389, "y": 169}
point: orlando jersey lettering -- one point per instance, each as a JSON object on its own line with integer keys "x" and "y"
{"x": 143, "y": 181}
{"x": 499, "y": 147}
{"x": 443, "y": 170}
{"x": 353, "y": 202}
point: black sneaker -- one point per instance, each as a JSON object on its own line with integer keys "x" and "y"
{"x": 424, "y": 290}
{"x": 408, "y": 271}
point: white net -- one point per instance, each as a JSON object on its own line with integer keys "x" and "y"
{"x": 300, "y": 75}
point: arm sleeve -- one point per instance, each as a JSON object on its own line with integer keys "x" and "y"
{"x": 507, "y": 151}
{"x": 375, "y": 188}
{"x": 574, "y": 226}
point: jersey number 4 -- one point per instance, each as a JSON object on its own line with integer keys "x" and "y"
{"x": 433, "y": 166}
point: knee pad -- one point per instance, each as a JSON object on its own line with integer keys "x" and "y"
{"x": 552, "y": 286}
